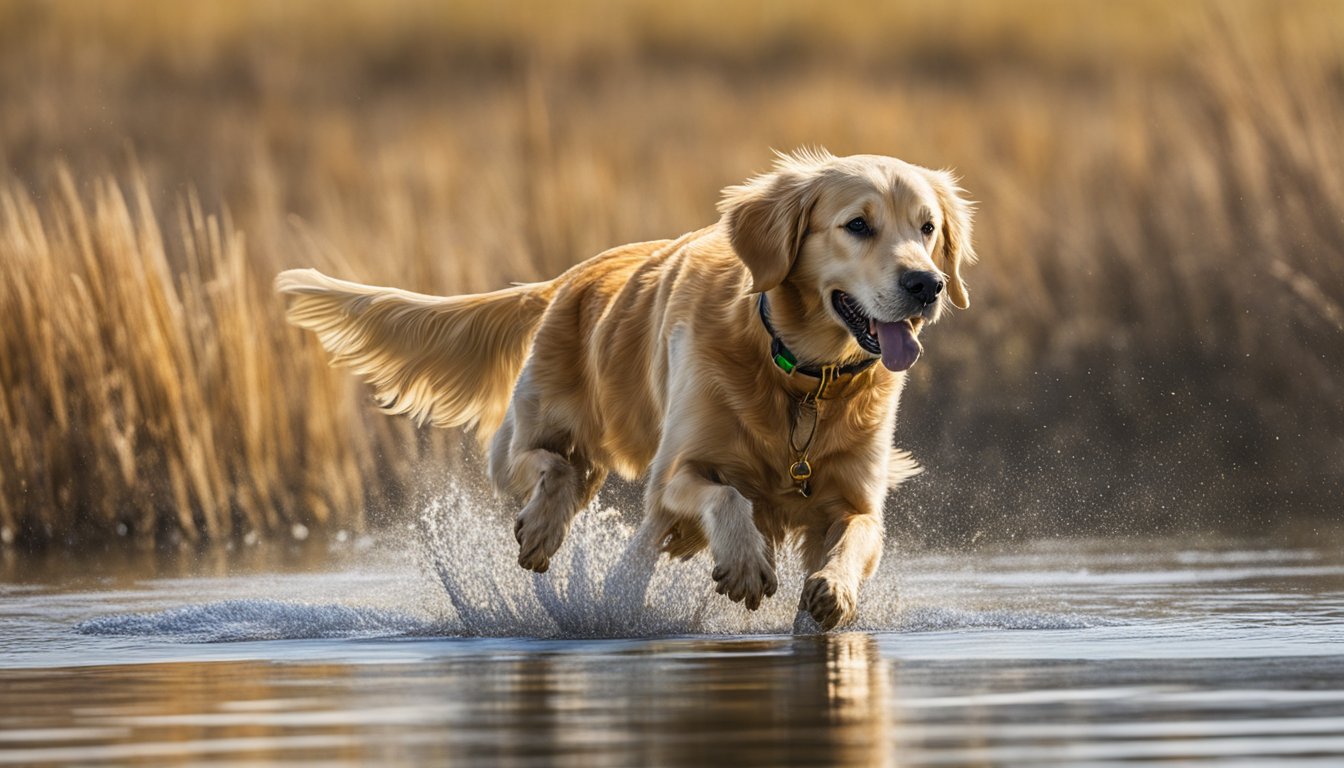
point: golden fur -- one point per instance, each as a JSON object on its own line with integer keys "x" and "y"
{"x": 651, "y": 359}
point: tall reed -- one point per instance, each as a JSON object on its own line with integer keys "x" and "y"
{"x": 1156, "y": 336}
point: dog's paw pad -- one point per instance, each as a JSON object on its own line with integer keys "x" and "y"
{"x": 749, "y": 581}
{"x": 829, "y": 601}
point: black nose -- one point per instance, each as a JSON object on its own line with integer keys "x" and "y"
{"x": 924, "y": 286}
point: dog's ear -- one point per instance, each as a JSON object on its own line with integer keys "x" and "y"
{"x": 767, "y": 218}
{"x": 954, "y": 249}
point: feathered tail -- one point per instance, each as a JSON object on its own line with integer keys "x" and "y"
{"x": 448, "y": 361}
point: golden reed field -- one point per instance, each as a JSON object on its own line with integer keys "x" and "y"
{"x": 1155, "y": 344}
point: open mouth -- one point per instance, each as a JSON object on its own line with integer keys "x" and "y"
{"x": 894, "y": 341}
{"x": 861, "y": 326}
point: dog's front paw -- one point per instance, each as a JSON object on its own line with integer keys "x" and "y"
{"x": 830, "y": 601}
{"x": 539, "y": 536}
{"x": 749, "y": 578}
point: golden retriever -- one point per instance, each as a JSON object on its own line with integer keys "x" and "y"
{"x": 734, "y": 366}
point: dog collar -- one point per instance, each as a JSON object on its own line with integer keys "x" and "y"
{"x": 787, "y": 362}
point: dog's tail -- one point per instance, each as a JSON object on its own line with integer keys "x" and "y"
{"x": 447, "y": 361}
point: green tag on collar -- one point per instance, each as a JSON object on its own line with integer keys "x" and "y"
{"x": 786, "y": 361}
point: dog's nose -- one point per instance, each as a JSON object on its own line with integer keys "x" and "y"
{"x": 924, "y": 286}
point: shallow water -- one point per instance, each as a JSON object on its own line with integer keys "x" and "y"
{"x": 433, "y": 646}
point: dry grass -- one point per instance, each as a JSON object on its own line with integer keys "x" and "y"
{"x": 1156, "y": 336}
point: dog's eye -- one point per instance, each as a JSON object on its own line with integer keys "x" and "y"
{"x": 927, "y": 229}
{"x": 859, "y": 226}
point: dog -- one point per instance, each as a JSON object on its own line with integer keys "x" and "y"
{"x": 749, "y": 370}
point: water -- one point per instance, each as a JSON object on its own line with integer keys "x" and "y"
{"x": 431, "y": 646}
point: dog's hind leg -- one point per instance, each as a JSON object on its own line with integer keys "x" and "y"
{"x": 554, "y": 500}
{"x": 560, "y": 488}
{"x": 534, "y": 458}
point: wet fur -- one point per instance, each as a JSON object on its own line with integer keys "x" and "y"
{"x": 649, "y": 359}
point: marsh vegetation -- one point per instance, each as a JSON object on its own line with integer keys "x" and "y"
{"x": 1156, "y": 335}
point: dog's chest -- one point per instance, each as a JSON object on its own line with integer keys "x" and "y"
{"x": 807, "y": 455}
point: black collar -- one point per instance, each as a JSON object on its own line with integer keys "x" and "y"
{"x": 788, "y": 363}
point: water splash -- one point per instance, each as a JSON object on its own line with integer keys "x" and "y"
{"x": 591, "y": 590}
{"x": 600, "y": 585}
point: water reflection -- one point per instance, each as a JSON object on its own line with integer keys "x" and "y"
{"x": 687, "y": 702}
{"x": 858, "y": 696}
{"x": 812, "y": 699}
{"x": 1234, "y": 655}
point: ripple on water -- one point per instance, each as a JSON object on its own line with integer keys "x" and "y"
{"x": 239, "y": 620}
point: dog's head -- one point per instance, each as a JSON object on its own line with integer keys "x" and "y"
{"x": 868, "y": 247}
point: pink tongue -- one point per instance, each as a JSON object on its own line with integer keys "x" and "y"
{"x": 899, "y": 348}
